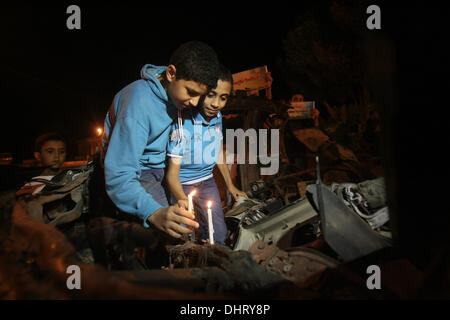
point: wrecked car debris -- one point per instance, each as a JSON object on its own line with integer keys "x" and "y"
{"x": 64, "y": 198}
{"x": 35, "y": 257}
{"x": 213, "y": 269}
{"x": 367, "y": 199}
{"x": 267, "y": 222}
{"x": 344, "y": 230}
{"x": 280, "y": 234}
{"x": 256, "y": 226}
{"x": 227, "y": 270}
{"x": 296, "y": 264}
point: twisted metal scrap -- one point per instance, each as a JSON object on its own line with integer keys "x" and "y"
{"x": 34, "y": 261}
{"x": 225, "y": 269}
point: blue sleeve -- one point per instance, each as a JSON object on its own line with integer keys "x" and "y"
{"x": 220, "y": 133}
{"x": 122, "y": 170}
{"x": 175, "y": 147}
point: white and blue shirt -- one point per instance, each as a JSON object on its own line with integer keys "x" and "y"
{"x": 198, "y": 143}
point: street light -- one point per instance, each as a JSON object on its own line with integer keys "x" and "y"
{"x": 99, "y": 131}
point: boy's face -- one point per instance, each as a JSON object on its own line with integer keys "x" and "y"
{"x": 53, "y": 154}
{"x": 186, "y": 93}
{"x": 183, "y": 93}
{"x": 216, "y": 99}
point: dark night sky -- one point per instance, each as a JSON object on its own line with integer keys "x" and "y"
{"x": 64, "y": 80}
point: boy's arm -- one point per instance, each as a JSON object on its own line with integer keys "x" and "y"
{"x": 173, "y": 180}
{"x": 124, "y": 187}
{"x": 127, "y": 142}
{"x": 223, "y": 168}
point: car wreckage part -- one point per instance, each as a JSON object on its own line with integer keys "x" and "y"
{"x": 64, "y": 199}
{"x": 344, "y": 231}
{"x": 375, "y": 212}
{"x": 295, "y": 264}
{"x": 35, "y": 261}
{"x": 270, "y": 265}
{"x": 224, "y": 269}
{"x": 266, "y": 223}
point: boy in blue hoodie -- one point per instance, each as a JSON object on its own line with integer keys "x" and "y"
{"x": 194, "y": 149}
{"x": 137, "y": 129}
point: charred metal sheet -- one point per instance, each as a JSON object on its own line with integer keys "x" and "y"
{"x": 225, "y": 269}
{"x": 344, "y": 230}
{"x": 34, "y": 261}
{"x": 296, "y": 264}
{"x": 312, "y": 138}
{"x": 259, "y": 224}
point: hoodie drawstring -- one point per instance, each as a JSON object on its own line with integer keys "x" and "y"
{"x": 180, "y": 128}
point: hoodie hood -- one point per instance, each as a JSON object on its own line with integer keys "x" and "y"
{"x": 151, "y": 73}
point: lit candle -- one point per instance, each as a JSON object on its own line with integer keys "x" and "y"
{"x": 191, "y": 209}
{"x": 210, "y": 224}
{"x": 190, "y": 202}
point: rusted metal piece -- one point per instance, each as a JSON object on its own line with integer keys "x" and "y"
{"x": 224, "y": 269}
{"x": 301, "y": 187}
{"x": 344, "y": 230}
{"x": 270, "y": 226}
{"x": 295, "y": 265}
{"x": 35, "y": 258}
{"x": 312, "y": 138}
{"x": 296, "y": 178}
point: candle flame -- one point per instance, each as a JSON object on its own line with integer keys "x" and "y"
{"x": 209, "y": 204}
{"x": 193, "y": 192}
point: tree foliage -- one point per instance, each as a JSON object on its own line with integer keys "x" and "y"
{"x": 323, "y": 54}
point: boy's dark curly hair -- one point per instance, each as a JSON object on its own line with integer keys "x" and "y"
{"x": 225, "y": 75}
{"x": 196, "y": 61}
{"x": 51, "y": 136}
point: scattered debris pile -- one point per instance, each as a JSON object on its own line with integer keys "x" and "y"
{"x": 304, "y": 233}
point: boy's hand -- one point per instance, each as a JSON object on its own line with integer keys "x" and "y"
{"x": 170, "y": 219}
{"x": 236, "y": 193}
{"x": 183, "y": 203}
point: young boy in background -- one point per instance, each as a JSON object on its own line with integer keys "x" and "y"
{"x": 50, "y": 152}
{"x": 195, "y": 146}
